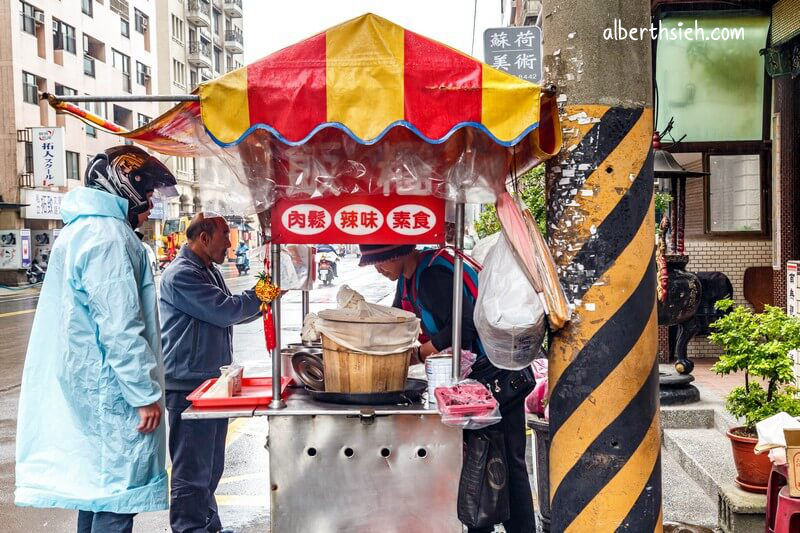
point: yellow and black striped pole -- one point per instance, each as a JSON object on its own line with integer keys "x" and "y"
{"x": 605, "y": 472}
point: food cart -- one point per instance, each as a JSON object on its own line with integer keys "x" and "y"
{"x": 366, "y": 120}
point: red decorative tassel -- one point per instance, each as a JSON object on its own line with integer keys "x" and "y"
{"x": 269, "y": 326}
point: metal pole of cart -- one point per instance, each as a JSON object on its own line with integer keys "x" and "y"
{"x": 277, "y": 402}
{"x": 458, "y": 290}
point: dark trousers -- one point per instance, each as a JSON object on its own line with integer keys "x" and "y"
{"x": 89, "y": 522}
{"x": 519, "y": 487}
{"x": 197, "y": 450}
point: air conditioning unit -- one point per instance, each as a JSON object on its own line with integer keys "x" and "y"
{"x": 38, "y": 16}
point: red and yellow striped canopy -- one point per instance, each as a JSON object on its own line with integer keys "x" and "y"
{"x": 366, "y": 76}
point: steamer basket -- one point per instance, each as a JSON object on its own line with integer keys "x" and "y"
{"x": 357, "y": 372}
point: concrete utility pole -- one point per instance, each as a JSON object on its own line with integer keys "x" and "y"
{"x": 605, "y": 471}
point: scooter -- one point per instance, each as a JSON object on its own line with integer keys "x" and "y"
{"x": 35, "y": 273}
{"x": 325, "y": 272}
{"x": 242, "y": 264}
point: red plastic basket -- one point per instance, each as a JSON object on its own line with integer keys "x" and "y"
{"x": 448, "y": 407}
{"x": 255, "y": 392}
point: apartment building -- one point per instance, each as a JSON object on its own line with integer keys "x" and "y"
{"x": 67, "y": 47}
{"x": 198, "y": 40}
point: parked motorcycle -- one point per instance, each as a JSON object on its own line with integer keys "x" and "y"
{"x": 35, "y": 273}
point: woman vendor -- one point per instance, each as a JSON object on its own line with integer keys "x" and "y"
{"x": 425, "y": 287}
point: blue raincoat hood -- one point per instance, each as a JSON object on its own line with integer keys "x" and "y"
{"x": 92, "y": 202}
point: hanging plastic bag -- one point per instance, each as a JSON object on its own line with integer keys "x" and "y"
{"x": 467, "y": 405}
{"x": 509, "y": 315}
{"x": 529, "y": 247}
{"x": 536, "y": 402}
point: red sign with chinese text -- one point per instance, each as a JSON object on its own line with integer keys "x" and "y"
{"x": 351, "y": 219}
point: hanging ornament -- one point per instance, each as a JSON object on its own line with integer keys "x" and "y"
{"x": 267, "y": 292}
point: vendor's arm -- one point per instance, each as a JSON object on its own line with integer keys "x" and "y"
{"x": 191, "y": 293}
{"x": 436, "y": 293}
{"x": 106, "y": 273}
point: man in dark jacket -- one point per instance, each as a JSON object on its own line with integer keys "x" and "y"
{"x": 197, "y": 317}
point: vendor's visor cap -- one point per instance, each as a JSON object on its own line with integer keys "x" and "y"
{"x": 372, "y": 254}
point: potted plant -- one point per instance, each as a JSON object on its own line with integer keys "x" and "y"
{"x": 758, "y": 344}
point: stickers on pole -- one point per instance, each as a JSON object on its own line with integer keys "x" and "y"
{"x": 359, "y": 220}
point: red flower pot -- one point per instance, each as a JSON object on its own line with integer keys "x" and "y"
{"x": 753, "y": 469}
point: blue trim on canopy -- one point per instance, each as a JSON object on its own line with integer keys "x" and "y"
{"x": 345, "y": 129}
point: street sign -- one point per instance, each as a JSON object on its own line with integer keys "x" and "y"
{"x": 157, "y": 211}
{"x": 516, "y": 50}
{"x": 49, "y": 166}
{"x": 359, "y": 220}
{"x": 43, "y": 205}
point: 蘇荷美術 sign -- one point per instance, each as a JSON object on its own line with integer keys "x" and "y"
{"x": 516, "y": 50}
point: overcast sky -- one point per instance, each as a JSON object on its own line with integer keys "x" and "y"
{"x": 270, "y": 25}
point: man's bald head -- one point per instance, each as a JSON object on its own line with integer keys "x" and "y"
{"x": 204, "y": 224}
{"x": 209, "y": 237}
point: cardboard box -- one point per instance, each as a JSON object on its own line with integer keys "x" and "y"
{"x": 792, "y": 437}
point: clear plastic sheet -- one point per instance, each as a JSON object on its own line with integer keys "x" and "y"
{"x": 250, "y": 176}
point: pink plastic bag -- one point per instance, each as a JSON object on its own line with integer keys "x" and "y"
{"x": 536, "y": 402}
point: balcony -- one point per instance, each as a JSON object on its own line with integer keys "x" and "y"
{"x": 200, "y": 54}
{"x": 234, "y": 41}
{"x": 198, "y": 13}
{"x": 233, "y": 8}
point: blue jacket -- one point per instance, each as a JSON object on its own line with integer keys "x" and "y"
{"x": 94, "y": 356}
{"x": 197, "y": 317}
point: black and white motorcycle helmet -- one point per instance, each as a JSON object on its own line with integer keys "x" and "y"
{"x": 130, "y": 172}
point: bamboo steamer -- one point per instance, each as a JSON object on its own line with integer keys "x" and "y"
{"x": 348, "y": 371}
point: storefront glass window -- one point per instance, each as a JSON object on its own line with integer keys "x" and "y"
{"x": 713, "y": 87}
{"x": 735, "y": 193}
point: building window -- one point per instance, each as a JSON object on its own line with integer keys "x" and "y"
{"x": 142, "y": 73}
{"x": 63, "y": 90}
{"x": 123, "y": 63}
{"x": 28, "y": 13}
{"x": 98, "y": 109}
{"x": 73, "y": 165}
{"x": 143, "y": 120}
{"x": 123, "y": 116}
{"x": 216, "y": 20}
{"x": 177, "y": 29}
{"x": 179, "y": 72}
{"x": 30, "y": 88}
{"x": 88, "y": 60}
{"x": 734, "y": 194}
{"x": 142, "y": 21}
{"x": 87, "y": 7}
{"x": 28, "y": 157}
{"x": 63, "y": 36}
{"x": 217, "y": 59}
{"x": 193, "y": 78}
{"x": 124, "y": 27}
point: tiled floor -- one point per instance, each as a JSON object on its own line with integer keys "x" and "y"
{"x": 710, "y": 383}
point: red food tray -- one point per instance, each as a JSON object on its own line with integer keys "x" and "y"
{"x": 481, "y": 407}
{"x": 255, "y": 392}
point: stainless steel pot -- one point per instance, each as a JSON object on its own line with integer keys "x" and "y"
{"x": 288, "y": 368}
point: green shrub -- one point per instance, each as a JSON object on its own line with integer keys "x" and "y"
{"x": 758, "y": 344}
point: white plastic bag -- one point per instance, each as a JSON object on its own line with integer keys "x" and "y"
{"x": 770, "y": 431}
{"x": 509, "y": 315}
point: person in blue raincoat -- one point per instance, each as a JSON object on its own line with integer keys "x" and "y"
{"x": 89, "y": 431}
